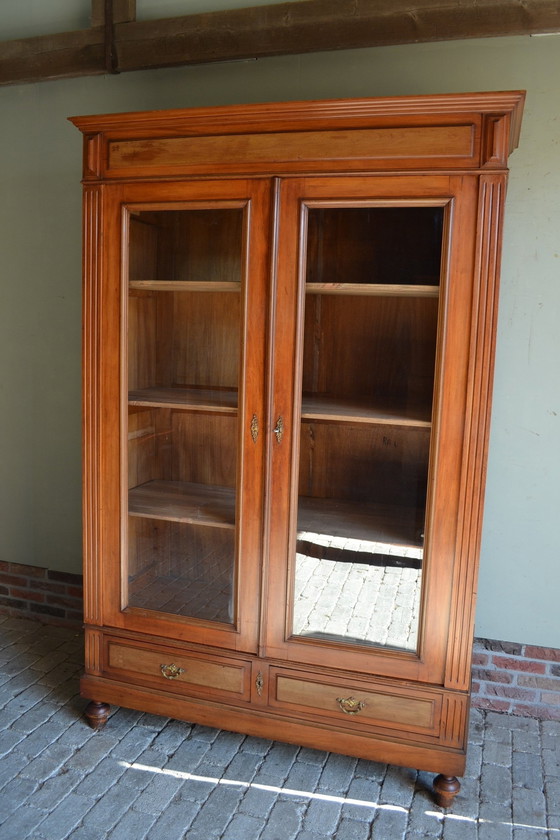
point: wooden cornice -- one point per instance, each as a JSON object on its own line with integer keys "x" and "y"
{"x": 122, "y": 43}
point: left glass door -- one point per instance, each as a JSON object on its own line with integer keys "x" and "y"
{"x": 191, "y": 404}
{"x": 184, "y": 334}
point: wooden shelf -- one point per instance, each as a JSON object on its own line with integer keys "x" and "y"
{"x": 184, "y": 286}
{"x": 328, "y": 409}
{"x": 223, "y": 401}
{"x": 348, "y": 410}
{"x": 182, "y": 501}
{"x": 354, "y": 520}
{"x": 372, "y": 289}
{"x": 200, "y": 504}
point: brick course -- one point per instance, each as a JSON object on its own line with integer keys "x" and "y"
{"x": 507, "y": 676}
{"x": 34, "y": 592}
{"x": 516, "y": 678}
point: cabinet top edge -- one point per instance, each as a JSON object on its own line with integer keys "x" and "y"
{"x": 306, "y": 113}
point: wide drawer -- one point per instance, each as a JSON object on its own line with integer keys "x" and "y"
{"x": 357, "y": 703}
{"x": 177, "y": 670}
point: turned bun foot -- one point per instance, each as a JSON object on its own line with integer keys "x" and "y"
{"x": 446, "y": 789}
{"x": 97, "y": 714}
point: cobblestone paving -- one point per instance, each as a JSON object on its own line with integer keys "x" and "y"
{"x": 149, "y": 778}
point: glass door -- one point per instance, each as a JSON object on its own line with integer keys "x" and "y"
{"x": 363, "y": 269}
{"x": 192, "y": 402}
{"x": 372, "y": 280}
{"x": 184, "y": 347}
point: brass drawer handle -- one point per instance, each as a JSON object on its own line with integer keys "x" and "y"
{"x": 171, "y": 672}
{"x": 349, "y": 705}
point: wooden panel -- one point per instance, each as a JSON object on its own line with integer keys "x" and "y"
{"x": 255, "y": 151}
{"x": 396, "y": 243}
{"x": 142, "y": 248}
{"x": 360, "y": 463}
{"x": 142, "y": 449}
{"x": 382, "y": 706}
{"x": 170, "y": 445}
{"x": 217, "y": 674}
{"x": 142, "y": 340}
{"x": 379, "y": 347}
{"x": 206, "y": 343}
{"x": 206, "y": 244}
{"x": 205, "y": 448}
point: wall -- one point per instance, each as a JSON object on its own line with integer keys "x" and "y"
{"x": 40, "y": 154}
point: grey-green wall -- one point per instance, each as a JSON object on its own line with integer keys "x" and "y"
{"x": 40, "y": 166}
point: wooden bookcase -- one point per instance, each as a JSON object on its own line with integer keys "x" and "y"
{"x": 289, "y": 317}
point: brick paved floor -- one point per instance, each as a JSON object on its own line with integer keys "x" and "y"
{"x": 149, "y": 778}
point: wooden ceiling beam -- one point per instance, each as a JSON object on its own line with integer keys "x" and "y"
{"x": 281, "y": 29}
{"x": 323, "y": 25}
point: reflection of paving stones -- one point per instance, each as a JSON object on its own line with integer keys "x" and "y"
{"x": 203, "y": 591}
{"x": 358, "y": 601}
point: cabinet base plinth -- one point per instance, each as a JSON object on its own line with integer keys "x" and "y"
{"x": 446, "y": 789}
{"x": 97, "y": 714}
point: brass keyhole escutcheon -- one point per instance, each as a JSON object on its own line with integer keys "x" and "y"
{"x": 349, "y": 705}
{"x": 279, "y": 430}
{"x": 254, "y": 427}
{"x": 171, "y": 672}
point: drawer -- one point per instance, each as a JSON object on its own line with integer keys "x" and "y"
{"x": 357, "y": 703}
{"x": 176, "y": 670}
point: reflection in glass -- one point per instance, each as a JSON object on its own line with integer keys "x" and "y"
{"x": 183, "y": 368}
{"x": 371, "y": 311}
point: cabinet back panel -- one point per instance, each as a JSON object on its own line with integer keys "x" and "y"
{"x": 183, "y": 338}
{"x": 143, "y": 249}
{"x": 382, "y": 465}
{"x": 400, "y": 245}
{"x": 203, "y": 245}
{"x": 206, "y": 339}
{"x": 370, "y": 347}
{"x": 170, "y": 445}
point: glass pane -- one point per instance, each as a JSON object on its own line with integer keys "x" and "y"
{"x": 370, "y": 329}
{"x": 395, "y": 245}
{"x": 183, "y": 370}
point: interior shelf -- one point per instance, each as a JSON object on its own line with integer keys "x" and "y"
{"x": 185, "y": 285}
{"x": 352, "y": 520}
{"x": 200, "y": 504}
{"x": 223, "y": 400}
{"x": 373, "y": 289}
{"x": 183, "y": 501}
{"x": 349, "y": 410}
{"x": 328, "y": 409}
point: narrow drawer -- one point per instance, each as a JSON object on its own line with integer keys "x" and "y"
{"x": 175, "y": 670}
{"x": 357, "y": 703}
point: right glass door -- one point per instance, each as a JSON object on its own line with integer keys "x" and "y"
{"x": 370, "y": 273}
